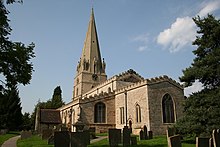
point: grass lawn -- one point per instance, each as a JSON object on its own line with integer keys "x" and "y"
{"x": 34, "y": 141}
{"x": 5, "y": 137}
{"x": 158, "y": 141}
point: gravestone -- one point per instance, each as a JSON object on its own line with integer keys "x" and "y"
{"x": 133, "y": 140}
{"x": 26, "y": 134}
{"x": 141, "y": 135}
{"x": 3, "y": 131}
{"x": 51, "y": 140}
{"x": 170, "y": 132}
{"x": 80, "y": 139}
{"x": 64, "y": 128}
{"x": 145, "y": 132}
{"x": 46, "y": 133}
{"x": 61, "y": 139}
{"x": 126, "y": 136}
{"x": 150, "y": 134}
{"x": 216, "y": 138}
{"x": 202, "y": 142}
{"x": 92, "y": 132}
{"x": 174, "y": 141}
{"x": 114, "y": 137}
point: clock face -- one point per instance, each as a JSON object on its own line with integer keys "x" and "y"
{"x": 94, "y": 77}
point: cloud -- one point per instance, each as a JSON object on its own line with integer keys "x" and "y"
{"x": 209, "y": 8}
{"x": 143, "y": 40}
{"x": 197, "y": 86}
{"x": 183, "y": 31}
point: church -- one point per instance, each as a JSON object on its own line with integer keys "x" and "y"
{"x": 126, "y": 99}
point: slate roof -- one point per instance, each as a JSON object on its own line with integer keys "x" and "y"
{"x": 50, "y": 116}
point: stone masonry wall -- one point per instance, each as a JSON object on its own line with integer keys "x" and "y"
{"x": 155, "y": 94}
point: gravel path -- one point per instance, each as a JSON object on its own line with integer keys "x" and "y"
{"x": 11, "y": 142}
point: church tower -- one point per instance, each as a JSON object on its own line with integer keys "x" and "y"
{"x": 91, "y": 67}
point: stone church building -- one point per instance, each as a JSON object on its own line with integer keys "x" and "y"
{"x": 126, "y": 99}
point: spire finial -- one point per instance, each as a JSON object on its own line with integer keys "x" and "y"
{"x": 92, "y": 3}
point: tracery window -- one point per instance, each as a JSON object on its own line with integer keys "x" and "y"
{"x": 100, "y": 111}
{"x": 168, "y": 109}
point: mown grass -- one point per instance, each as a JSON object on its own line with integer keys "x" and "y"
{"x": 158, "y": 141}
{"x": 34, "y": 141}
{"x": 5, "y": 137}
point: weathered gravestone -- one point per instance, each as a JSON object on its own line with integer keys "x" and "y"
{"x": 61, "y": 139}
{"x": 114, "y": 137}
{"x": 174, "y": 141}
{"x": 26, "y": 134}
{"x": 46, "y": 133}
{"x": 141, "y": 135}
{"x": 80, "y": 139}
{"x": 51, "y": 140}
{"x": 216, "y": 138}
{"x": 92, "y": 132}
{"x": 126, "y": 136}
{"x": 202, "y": 142}
{"x": 170, "y": 132}
{"x": 145, "y": 132}
{"x": 3, "y": 131}
{"x": 150, "y": 134}
{"x": 133, "y": 140}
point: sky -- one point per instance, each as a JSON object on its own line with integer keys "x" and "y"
{"x": 152, "y": 37}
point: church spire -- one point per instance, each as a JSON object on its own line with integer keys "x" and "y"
{"x": 91, "y": 60}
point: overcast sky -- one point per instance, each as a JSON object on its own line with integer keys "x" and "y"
{"x": 153, "y": 37}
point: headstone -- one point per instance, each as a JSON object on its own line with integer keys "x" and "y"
{"x": 141, "y": 136}
{"x": 126, "y": 136}
{"x": 202, "y": 142}
{"x": 51, "y": 140}
{"x": 92, "y": 132}
{"x": 150, "y": 134}
{"x": 114, "y": 136}
{"x": 170, "y": 132}
{"x": 61, "y": 138}
{"x": 145, "y": 132}
{"x": 26, "y": 134}
{"x": 64, "y": 129}
{"x": 133, "y": 140}
{"x": 211, "y": 142}
{"x": 174, "y": 141}
{"x": 46, "y": 133}
{"x": 80, "y": 139}
{"x": 3, "y": 131}
{"x": 216, "y": 138}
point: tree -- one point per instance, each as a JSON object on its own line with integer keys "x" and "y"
{"x": 206, "y": 66}
{"x": 16, "y": 68}
{"x": 11, "y": 116}
{"x": 57, "y": 101}
{"x": 202, "y": 109}
{"x": 53, "y": 103}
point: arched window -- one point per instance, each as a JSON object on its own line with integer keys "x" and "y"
{"x": 77, "y": 91}
{"x": 100, "y": 112}
{"x": 109, "y": 90}
{"x": 168, "y": 109}
{"x": 138, "y": 113}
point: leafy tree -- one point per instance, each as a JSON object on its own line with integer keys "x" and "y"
{"x": 16, "y": 68}
{"x": 202, "y": 109}
{"x": 26, "y": 119}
